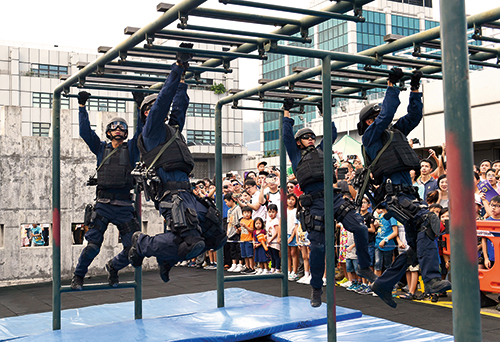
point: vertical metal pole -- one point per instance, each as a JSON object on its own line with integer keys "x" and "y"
{"x": 219, "y": 195}
{"x": 329, "y": 219}
{"x": 466, "y": 300}
{"x": 138, "y": 210}
{"x": 284, "y": 212}
{"x": 56, "y": 211}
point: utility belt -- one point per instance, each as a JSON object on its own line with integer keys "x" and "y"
{"x": 311, "y": 222}
{"x": 170, "y": 188}
{"x": 102, "y": 194}
{"x": 307, "y": 200}
{"x": 124, "y": 228}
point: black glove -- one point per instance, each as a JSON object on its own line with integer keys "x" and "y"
{"x": 288, "y": 103}
{"x": 83, "y": 96}
{"x": 138, "y": 97}
{"x": 184, "y": 57}
{"x": 395, "y": 75}
{"x": 415, "y": 79}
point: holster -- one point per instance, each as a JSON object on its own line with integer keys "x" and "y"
{"x": 89, "y": 209}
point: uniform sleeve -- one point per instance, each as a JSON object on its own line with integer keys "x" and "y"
{"x": 159, "y": 110}
{"x": 292, "y": 149}
{"x": 87, "y": 134}
{"x": 179, "y": 107}
{"x": 132, "y": 143}
{"x": 334, "y": 136}
{"x": 411, "y": 120}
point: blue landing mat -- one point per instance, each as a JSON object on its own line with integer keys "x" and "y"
{"x": 191, "y": 317}
{"x": 366, "y": 328}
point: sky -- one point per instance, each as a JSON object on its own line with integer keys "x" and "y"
{"x": 92, "y": 23}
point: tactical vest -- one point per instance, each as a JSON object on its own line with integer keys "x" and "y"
{"x": 115, "y": 172}
{"x": 177, "y": 156}
{"x": 310, "y": 167}
{"x": 398, "y": 157}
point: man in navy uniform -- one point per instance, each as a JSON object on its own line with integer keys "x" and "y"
{"x": 115, "y": 160}
{"x": 307, "y": 164}
{"x": 396, "y": 192}
{"x": 192, "y": 224}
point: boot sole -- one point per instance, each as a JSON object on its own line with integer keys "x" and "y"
{"x": 382, "y": 295}
{"x": 196, "y": 250}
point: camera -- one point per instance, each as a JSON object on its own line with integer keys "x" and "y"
{"x": 274, "y": 168}
{"x": 92, "y": 181}
{"x": 352, "y": 156}
{"x": 341, "y": 173}
{"x": 415, "y": 141}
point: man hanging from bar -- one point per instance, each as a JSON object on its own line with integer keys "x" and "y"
{"x": 114, "y": 204}
{"x": 192, "y": 224}
{"x": 393, "y": 158}
{"x": 307, "y": 164}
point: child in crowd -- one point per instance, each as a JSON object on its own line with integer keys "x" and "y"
{"x": 412, "y": 271}
{"x": 342, "y": 251}
{"x": 293, "y": 225}
{"x": 372, "y": 231}
{"x": 303, "y": 243}
{"x": 384, "y": 241}
{"x": 261, "y": 248}
{"x": 233, "y": 237}
{"x": 273, "y": 237}
{"x": 351, "y": 263}
{"x": 487, "y": 245}
{"x": 246, "y": 239}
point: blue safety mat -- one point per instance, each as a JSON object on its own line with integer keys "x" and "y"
{"x": 191, "y": 317}
{"x": 366, "y": 328}
{"x": 12, "y": 327}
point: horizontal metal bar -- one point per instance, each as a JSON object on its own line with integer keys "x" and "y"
{"x": 245, "y": 33}
{"x": 492, "y": 24}
{"x": 394, "y": 46}
{"x": 177, "y": 35}
{"x": 485, "y": 39}
{"x": 471, "y": 61}
{"x": 130, "y": 42}
{"x": 349, "y": 84}
{"x": 206, "y": 53}
{"x": 347, "y": 73}
{"x": 101, "y": 98}
{"x": 101, "y": 286}
{"x": 262, "y": 109}
{"x": 233, "y": 16}
{"x": 386, "y": 72}
{"x": 138, "y": 52}
{"x": 316, "y": 53}
{"x": 410, "y": 60}
{"x": 266, "y": 99}
{"x": 167, "y": 66}
{"x": 271, "y": 6}
{"x": 111, "y": 88}
{"x": 140, "y": 78}
{"x": 310, "y": 93}
{"x": 207, "y": 36}
{"x": 436, "y": 44}
{"x": 253, "y": 277}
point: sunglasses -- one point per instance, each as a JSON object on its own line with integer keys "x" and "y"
{"x": 308, "y": 136}
{"x": 118, "y": 125}
{"x": 235, "y": 184}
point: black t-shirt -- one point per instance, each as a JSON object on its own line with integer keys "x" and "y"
{"x": 368, "y": 218}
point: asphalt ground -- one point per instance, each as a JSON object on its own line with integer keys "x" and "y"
{"x": 36, "y": 298}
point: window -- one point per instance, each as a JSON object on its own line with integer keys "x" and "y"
{"x": 1, "y": 235}
{"x": 40, "y": 129}
{"x": 47, "y": 70}
{"x": 35, "y": 234}
{"x": 196, "y": 136}
{"x": 332, "y": 35}
{"x": 370, "y": 33}
{"x": 78, "y": 231}
{"x": 200, "y": 110}
{"x": 106, "y": 105}
{"x": 44, "y": 100}
{"x": 405, "y": 26}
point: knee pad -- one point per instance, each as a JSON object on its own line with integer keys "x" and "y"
{"x": 91, "y": 250}
{"x": 344, "y": 209}
{"x": 432, "y": 225}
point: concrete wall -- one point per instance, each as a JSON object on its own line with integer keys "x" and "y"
{"x": 26, "y": 188}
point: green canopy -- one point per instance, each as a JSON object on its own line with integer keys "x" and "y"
{"x": 348, "y": 146}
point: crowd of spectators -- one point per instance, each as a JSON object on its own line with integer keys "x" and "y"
{"x": 252, "y": 210}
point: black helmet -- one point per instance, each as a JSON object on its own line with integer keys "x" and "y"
{"x": 146, "y": 104}
{"x": 114, "y": 123}
{"x": 303, "y": 131}
{"x": 366, "y": 113}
